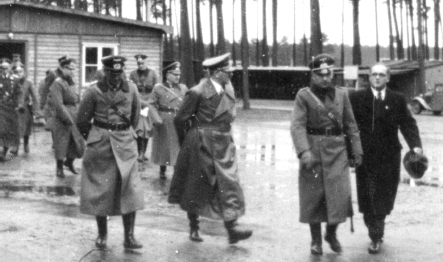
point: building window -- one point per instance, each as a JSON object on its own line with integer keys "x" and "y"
{"x": 92, "y": 55}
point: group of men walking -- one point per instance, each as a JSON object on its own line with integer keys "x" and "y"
{"x": 332, "y": 131}
{"x": 191, "y": 129}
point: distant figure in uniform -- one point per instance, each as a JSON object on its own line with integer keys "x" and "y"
{"x": 321, "y": 119}
{"x": 63, "y": 100}
{"x": 110, "y": 184}
{"x": 43, "y": 90}
{"x": 164, "y": 102}
{"x": 11, "y": 102}
{"x": 380, "y": 113}
{"x": 26, "y": 119}
{"x": 205, "y": 180}
{"x": 145, "y": 79}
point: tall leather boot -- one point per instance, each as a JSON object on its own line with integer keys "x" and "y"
{"x": 102, "y": 225}
{"x": 316, "y": 248}
{"x": 128, "y": 224}
{"x": 193, "y": 224}
{"x": 59, "y": 172}
{"x": 163, "y": 172}
{"x": 26, "y": 144}
{"x": 236, "y": 235}
{"x": 331, "y": 238}
{"x": 145, "y": 147}
{"x": 69, "y": 163}
{"x": 140, "y": 145}
{"x": 3, "y": 155}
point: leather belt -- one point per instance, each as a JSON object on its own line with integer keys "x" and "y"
{"x": 328, "y": 131}
{"x": 111, "y": 126}
{"x": 167, "y": 109}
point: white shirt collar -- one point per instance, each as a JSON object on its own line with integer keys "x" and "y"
{"x": 217, "y": 86}
{"x": 383, "y": 92}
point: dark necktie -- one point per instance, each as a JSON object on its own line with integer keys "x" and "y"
{"x": 379, "y": 95}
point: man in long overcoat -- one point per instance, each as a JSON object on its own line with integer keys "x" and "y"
{"x": 205, "y": 180}
{"x": 110, "y": 183}
{"x": 164, "y": 102}
{"x": 11, "y": 102}
{"x": 63, "y": 100}
{"x": 145, "y": 79}
{"x": 26, "y": 119}
{"x": 380, "y": 113}
{"x": 321, "y": 119}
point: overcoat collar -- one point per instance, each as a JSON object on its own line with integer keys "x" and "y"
{"x": 209, "y": 90}
{"x": 104, "y": 87}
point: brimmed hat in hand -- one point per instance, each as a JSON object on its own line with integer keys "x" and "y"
{"x": 415, "y": 164}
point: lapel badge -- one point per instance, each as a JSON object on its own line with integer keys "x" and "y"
{"x": 387, "y": 107}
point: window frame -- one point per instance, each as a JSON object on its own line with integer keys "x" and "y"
{"x": 99, "y": 46}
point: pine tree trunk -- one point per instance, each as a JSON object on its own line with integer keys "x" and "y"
{"x": 316, "y": 36}
{"x": 186, "y": 46}
{"x": 245, "y": 56}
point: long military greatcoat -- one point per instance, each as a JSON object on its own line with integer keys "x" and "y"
{"x": 205, "y": 177}
{"x": 325, "y": 189}
{"x": 145, "y": 80}
{"x": 165, "y": 144}
{"x": 379, "y": 123}
{"x": 111, "y": 184}
{"x": 63, "y": 101}
{"x": 11, "y": 98}
{"x": 30, "y": 106}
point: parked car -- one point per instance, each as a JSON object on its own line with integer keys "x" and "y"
{"x": 431, "y": 101}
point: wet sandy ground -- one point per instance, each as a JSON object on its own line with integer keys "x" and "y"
{"x": 40, "y": 219}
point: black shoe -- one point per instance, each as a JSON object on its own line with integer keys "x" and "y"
{"x": 316, "y": 248}
{"x": 26, "y": 148}
{"x": 100, "y": 242}
{"x": 374, "y": 247}
{"x": 333, "y": 243}
{"x": 59, "y": 173}
{"x": 237, "y": 235}
{"x": 194, "y": 236}
{"x": 70, "y": 165}
{"x": 128, "y": 224}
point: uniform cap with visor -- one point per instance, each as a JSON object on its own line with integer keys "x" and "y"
{"x": 114, "y": 64}
{"x": 66, "y": 60}
{"x": 218, "y": 63}
{"x": 140, "y": 58}
{"x": 173, "y": 67}
{"x": 322, "y": 64}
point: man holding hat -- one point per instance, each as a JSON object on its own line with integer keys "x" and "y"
{"x": 145, "y": 79}
{"x": 321, "y": 119}
{"x": 11, "y": 102}
{"x": 205, "y": 180}
{"x": 380, "y": 113}
{"x": 164, "y": 102}
{"x": 110, "y": 183}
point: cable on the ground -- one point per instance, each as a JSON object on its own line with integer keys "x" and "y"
{"x": 89, "y": 252}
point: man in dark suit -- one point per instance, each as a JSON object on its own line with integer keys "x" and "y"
{"x": 380, "y": 113}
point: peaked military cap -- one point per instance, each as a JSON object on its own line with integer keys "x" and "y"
{"x": 415, "y": 164}
{"x": 322, "y": 64}
{"x": 114, "y": 63}
{"x": 218, "y": 62}
{"x": 66, "y": 60}
{"x": 172, "y": 67}
{"x": 5, "y": 60}
{"x": 140, "y": 57}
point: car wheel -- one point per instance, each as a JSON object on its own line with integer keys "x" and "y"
{"x": 416, "y": 107}
{"x": 436, "y": 113}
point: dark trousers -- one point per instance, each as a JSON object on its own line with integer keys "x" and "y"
{"x": 375, "y": 225}
{"x": 193, "y": 221}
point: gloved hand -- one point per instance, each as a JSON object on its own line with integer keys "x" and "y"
{"x": 418, "y": 151}
{"x": 356, "y": 161}
{"x": 307, "y": 160}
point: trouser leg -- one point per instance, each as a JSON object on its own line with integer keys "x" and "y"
{"x": 140, "y": 145}
{"x": 145, "y": 147}
{"x": 375, "y": 225}
{"x": 69, "y": 163}
{"x": 26, "y": 144}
